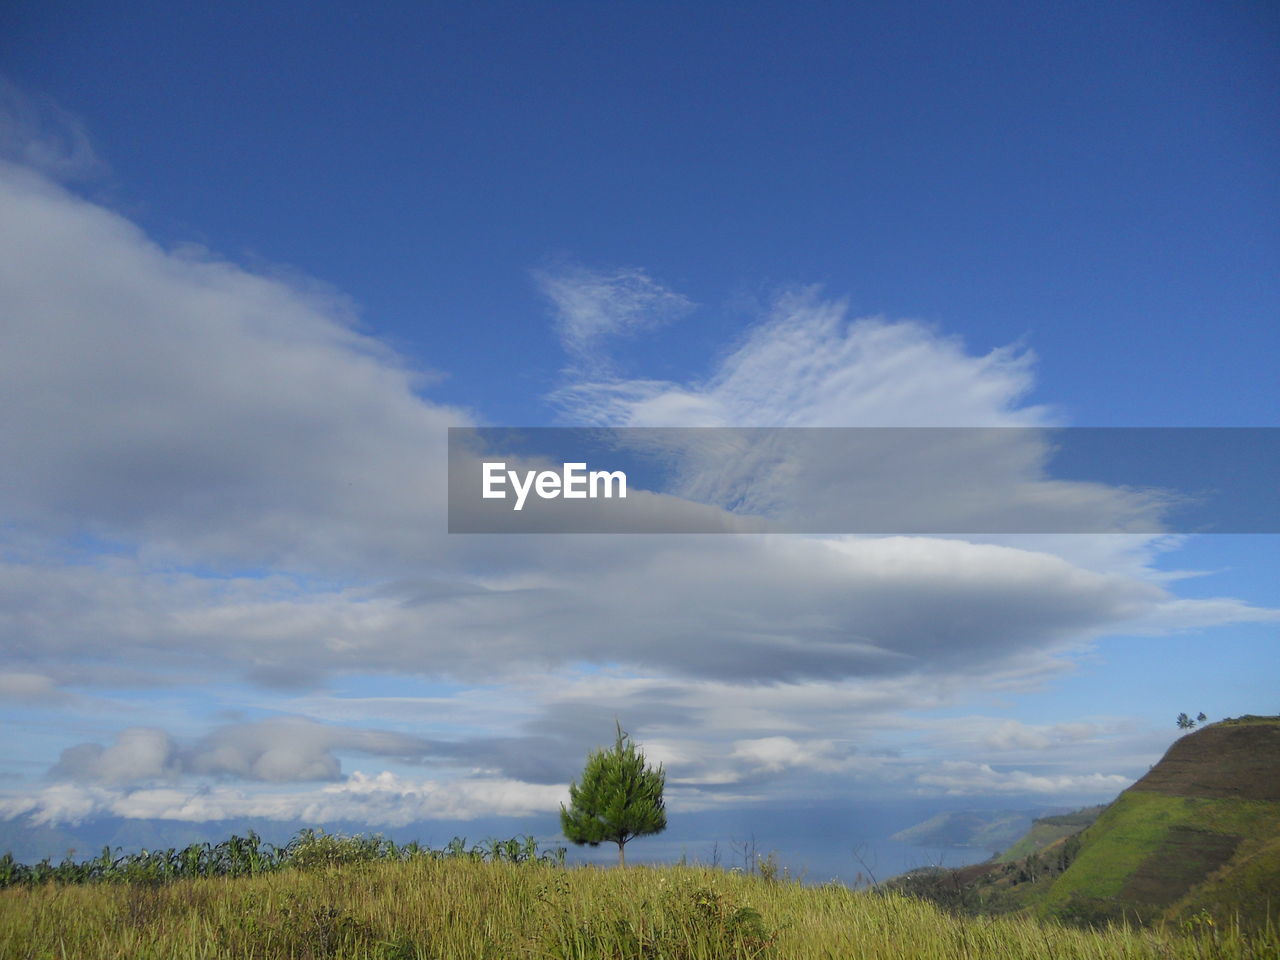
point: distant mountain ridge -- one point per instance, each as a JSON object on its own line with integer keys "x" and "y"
{"x": 1049, "y": 831}
{"x": 983, "y": 829}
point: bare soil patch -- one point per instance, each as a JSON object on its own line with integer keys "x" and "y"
{"x": 1239, "y": 761}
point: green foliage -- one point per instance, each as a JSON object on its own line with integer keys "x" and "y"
{"x": 315, "y": 849}
{"x": 618, "y": 799}
{"x": 233, "y": 857}
{"x": 1046, "y": 831}
{"x": 249, "y": 856}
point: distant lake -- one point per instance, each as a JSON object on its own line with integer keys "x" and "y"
{"x": 815, "y": 862}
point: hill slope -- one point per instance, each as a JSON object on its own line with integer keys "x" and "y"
{"x": 1198, "y": 837}
{"x": 1046, "y": 832}
{"x": 1201, "y": 831}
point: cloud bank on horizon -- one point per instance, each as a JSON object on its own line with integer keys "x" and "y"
{"x": 224, "y": 554}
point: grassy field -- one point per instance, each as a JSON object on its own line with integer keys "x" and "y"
{"x": 461, "y": 908}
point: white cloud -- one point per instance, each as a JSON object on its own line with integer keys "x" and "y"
{"x": 593, "y": 307}
{"x": 194, "y": 414}
{"x": 275, "y": 750}
{"x": 138, "y": 754}
{"x": 959, "y": 777}
{"x": 59, "y": 803}
{"x": 382, "y": 799}
{"x": 1014, "y": 735}
{"x": 1186, "y": 614}
{"x": 774, "y": 754}
{"x": 33, "y": 689}
{"x": 208, "y": 412}
{"x": 733, "y": 609}
{"x": 807, "y": 364}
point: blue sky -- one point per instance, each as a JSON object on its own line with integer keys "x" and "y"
{"x": 257, "y": 260}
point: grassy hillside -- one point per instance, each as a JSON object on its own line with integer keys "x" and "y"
{"x": 461, "y": 909}
{"x": 1195, "y": 841}
{"x": 1198, "y": 836}
{"x": 1148, "y": 853}
{"x": 1046, "y": 832}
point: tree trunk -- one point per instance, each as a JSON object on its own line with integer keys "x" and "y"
{"x": 622, "y": 860}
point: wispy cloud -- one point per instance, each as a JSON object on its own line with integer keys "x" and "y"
{"x": 593, "y": 308}
{"x": 33, "y": 690}
{"x": 37, "y": 133}
{"x": 966, "y": 778}
{"x": 808, "y": 363}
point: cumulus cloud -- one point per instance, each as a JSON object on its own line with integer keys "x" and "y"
{"x": 289, "y": 748}
{"x": 138, "y": 754}
{"x": 383, "y": 799}
{"x": 720, "y": 743}
{"x": 175, "y": 399}
{"x": 276, "y": 750}
{"x": 59, "y": 803}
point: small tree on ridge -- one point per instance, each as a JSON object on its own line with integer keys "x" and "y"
{"x": 618, "y": 799}
{"x": 1186, "y": 723}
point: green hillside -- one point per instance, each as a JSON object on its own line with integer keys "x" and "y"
{"x": 1198, "y": 835}
{"x": 1196, "y": 840}
{"x": 1048, "y": 831}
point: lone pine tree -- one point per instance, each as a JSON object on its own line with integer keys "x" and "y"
{"x": 619, "y": 798}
